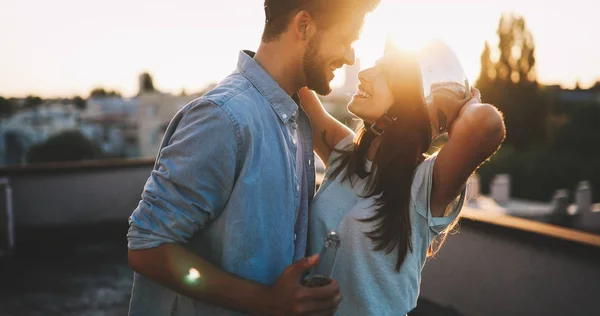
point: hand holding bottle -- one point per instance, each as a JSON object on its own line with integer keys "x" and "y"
{"x": 289, "y": 297}
{"x": 322, "y": 272}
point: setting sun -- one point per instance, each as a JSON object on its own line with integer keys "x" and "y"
{"x": 411, "y": 25}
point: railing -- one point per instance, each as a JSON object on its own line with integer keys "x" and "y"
{"x": 7, "y": 241}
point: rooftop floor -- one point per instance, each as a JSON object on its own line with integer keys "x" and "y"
{"x": 57, "y": 272}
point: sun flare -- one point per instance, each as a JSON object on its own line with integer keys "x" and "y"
{"x": 411, "y": 25}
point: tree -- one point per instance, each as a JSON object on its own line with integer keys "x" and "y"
{"x": 581, "y": 133}
{"x": 32, "y": 102}
{"x": 7, "y": 108}
{"x": 146, "y": 83}
{"x": 487, "y": 74}
{"x": 517, "y": 60}
{"x": 80, "y": 103}
{"x": 510, "y": 83}
{"x": 65, "y": 146}
{"x": 101, "y": 93}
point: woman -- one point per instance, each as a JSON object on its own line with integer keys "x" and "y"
{"x": 387, "y": 200}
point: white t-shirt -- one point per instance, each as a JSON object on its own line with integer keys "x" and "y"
{"x": 368, "y": 280}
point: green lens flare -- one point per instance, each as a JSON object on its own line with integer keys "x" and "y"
{"x": 192, "y": 276}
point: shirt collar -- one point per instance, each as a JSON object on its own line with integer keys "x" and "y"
{"x": 285, "y": 107}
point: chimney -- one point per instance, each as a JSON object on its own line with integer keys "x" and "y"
{"x": 560, "y": 202}
{"x": 583, "y": 197}
{"x": 500, "y": 188}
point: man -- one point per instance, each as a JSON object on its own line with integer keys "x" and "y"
{"x": 221, "y": 227}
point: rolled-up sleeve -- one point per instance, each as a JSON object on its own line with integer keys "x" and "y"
{"x": 192, "y": 179}
{"x": 421, "y": 197}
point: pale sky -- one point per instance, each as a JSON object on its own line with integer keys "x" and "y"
{"x": 61, "y": 48}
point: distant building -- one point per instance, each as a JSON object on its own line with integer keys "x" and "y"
{"x": 111, "y": 123}
{"x": 155, "y": 111}
{"x": 30, "y": 126}
{"x": 577, "y": 95}
{"x": 113, "y": 105}
{"x": 121, "y": 127}
{"x": 580, "y": 96}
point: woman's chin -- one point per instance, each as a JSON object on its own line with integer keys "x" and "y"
{"x": 351, "y": 107}
{"x": 354, "y": 110}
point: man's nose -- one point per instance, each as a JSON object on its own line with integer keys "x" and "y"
{"x": 349, "y": 57}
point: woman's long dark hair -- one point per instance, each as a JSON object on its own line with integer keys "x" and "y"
{"x": 401, "y": 149}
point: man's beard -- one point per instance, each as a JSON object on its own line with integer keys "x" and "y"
{"x": 314, "y": 68}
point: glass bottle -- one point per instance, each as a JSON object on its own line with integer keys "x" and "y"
{"x": 321, "y": 273}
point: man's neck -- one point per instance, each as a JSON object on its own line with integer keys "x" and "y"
{"x": 272, "y": 57}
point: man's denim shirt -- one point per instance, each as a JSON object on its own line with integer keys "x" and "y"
{"x": 224, "y": 184}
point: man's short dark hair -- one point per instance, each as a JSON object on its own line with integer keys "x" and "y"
{"x": 325, "y": 12}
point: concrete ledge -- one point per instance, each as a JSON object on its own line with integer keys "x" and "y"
{"x": 73, "y": 166}
{"x": 497, "y": 270}
{"x": 504, "y": 220}
{"x": 78, "y": 194}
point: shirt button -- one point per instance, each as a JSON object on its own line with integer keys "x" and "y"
{"x": 298, "y": 188}
{"x": 294, "y": 141}
{"x": 309, "y": 162}
{"x": 295, "y": 236}
{"x": 284, "y": 116}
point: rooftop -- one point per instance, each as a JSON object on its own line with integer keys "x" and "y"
{"x": 70, "y": 252}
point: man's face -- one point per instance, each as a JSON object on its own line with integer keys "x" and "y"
{"x": 329, "y": 50}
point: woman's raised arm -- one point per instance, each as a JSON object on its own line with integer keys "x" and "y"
{"x": 327, "y": 131}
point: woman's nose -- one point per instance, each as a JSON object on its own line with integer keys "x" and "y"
{"x": 366, "y": 75}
